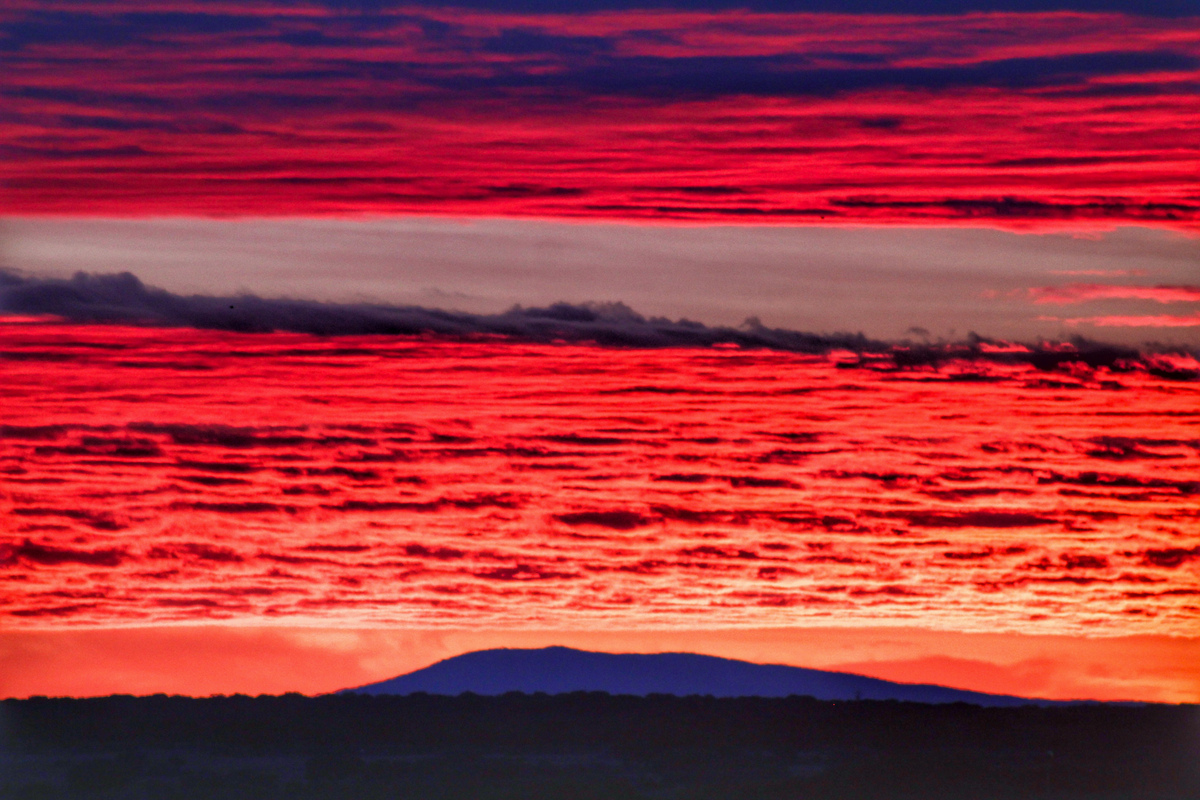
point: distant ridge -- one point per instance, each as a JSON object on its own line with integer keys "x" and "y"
{"x": 558, "y": 670}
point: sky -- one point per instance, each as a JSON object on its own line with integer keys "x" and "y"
{"x": 347, "y": 336}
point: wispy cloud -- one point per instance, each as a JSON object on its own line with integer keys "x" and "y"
{"x": 1084, "y": 292}
{"x": 1130, "y": 321}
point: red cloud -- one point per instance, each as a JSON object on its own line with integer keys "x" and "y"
{"x": 1083, "y": 292}
{"x": 1161, "y": 321}
{"x": 731, "y": 116}
{"x": 488, "y": 540}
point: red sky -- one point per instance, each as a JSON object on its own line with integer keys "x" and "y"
{"x": 174, "y": 476}
{"x": 1025, "y": 120}
{"x": 305, "y": 513}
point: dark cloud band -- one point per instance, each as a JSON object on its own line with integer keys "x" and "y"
{"x": 1164, "y": 8}
{"x": 123, "y": 298}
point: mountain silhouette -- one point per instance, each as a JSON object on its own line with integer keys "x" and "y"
{"x": 558, "y": 670}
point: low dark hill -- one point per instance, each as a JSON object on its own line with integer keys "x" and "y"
{"x": 559, "y": 670}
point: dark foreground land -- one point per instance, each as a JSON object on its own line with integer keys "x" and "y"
{"x": 589, "y": 745}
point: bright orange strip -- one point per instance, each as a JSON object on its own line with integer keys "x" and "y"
{"x": 227, "y": 660}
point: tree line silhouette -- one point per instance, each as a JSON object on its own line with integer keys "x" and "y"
{"x": 589, "y": 745}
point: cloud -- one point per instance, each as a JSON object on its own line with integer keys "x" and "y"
{"x": 97, "y": 520}
{"x": 971, "y": 519}
{"x": 235, "y": 467}
{"x": 1017, "y": 208}
{"x": 587, "y": 441}
{"x": 439, "y": 553}
{"x": 1170, "y": 557}
{"x": 210, "y": 480}
{"x": 347, "y": 472}
{"x": 698, "y": 516}
{"x": 219, "y": 435}
{"x": 124, "y": 298}
{"x": 336, "y": 548}
{"x": 852, "y": 514}
{"x": 246, "y": 507}
{"x": 614, "y": 520}
{"x": 972, "y": 493}
{"x": 1125, "y": 448}
{"x": 508, "y": 500}
{"x": 49, "y": 555}
{"x": 749, "y": 481}
{"x": 704, "y": 77}
{"x": 284, "y": 558}
{"x": 32, "y": 432}
{"x": 1111, "y": 480}
{"x": 1131, "y": 321}
{"x": 831, "y": 558}
{"x": 385, "y": 505}
{"x": 471, "y": 502}
{"x": 1085, "y": 292}
{"x": 892, "y": 590}
{"x": 524, "y": 572}
{"x": 188, "y": 17}
{"x": 119, "y": 447}
{"x": 682, "y": 477}
{"x": 919, "y": 7}
{"x": 196, "y": 550}
{"x": 306, "y": 96}
{"x": 707, "y": 550}
{"x": 54, "y": 611}
{"x": 1082, "y": 561}
{"x": 969, "y": 555}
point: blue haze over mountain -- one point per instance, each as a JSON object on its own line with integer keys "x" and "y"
{"x": 558, "y": 670}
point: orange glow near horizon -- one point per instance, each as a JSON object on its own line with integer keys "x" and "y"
{"x": 205, "y": 660}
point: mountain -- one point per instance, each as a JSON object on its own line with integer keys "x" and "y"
{"x": 557, "y": 670}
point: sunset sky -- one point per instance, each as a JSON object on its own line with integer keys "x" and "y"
{"x": 341, "y": 337}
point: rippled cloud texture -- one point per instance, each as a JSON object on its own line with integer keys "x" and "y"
{"x": 1006, "y": 113}
{"x": 394, "y": 400}
{"x": 185, "y": 476}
